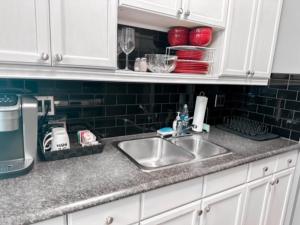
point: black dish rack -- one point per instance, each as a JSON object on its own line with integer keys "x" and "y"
{"x": 247, "y": 128}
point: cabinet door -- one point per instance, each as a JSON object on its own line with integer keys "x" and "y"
{"x": 279, "y": 197}
{"x": 238, "y": 36}
{"x": 185, "y": 215}
{"x": 166, "y": 7}
{"x": 265, "y": 36}
{"x": 56, "y": 221}
{"x": 25, "y": 33}
{"x": 211, "y": 12}
{"x": 256, "y": 201}
{"x": 84, "y": 32}
{"x": 223, "y": 207}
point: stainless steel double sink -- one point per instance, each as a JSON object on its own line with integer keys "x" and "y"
{"x": 156, "y": 153}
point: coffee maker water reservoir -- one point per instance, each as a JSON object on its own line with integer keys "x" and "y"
{"x": 18, "y": 134}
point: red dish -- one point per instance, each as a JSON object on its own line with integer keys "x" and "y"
{"x": 191, "y": 64}
{"x": 178, "y": 36}
{"x": 191, "y": 71}
{"x": 201, "y": 36}
{"x": 190, "y": 54}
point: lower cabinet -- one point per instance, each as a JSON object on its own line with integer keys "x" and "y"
{"x": 257, "y": 195}
{"x": 280, "y": 190}
{"x": 262, "y": 200}
{"x": 223, "y": 208}
{"x": 185, "y": 215}
{"x": 62, "y": 220}
{"x": 120, "y": 212}
{"x": 267, "y": 198}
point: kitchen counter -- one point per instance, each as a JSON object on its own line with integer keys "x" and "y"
{"x": 55, "y": 188}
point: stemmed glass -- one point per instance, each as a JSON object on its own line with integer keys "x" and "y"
{"x": 119, "y": 49}
{"x": 127, "y": 42}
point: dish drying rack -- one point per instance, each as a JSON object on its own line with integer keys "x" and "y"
{"x": 247, "y": 128}
{"x": 207, "y": 57}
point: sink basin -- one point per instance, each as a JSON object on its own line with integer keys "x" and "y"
{"x": 153, "y": 153}
{"x": 201, "y": 148}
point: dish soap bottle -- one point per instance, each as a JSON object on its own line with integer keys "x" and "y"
{"x": 176, "y": 121}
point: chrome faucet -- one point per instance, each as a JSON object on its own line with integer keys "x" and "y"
{"x": 182, "y": 127}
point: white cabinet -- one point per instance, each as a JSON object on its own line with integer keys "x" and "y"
{"x": 256, "y": 200}
{"x": 189, "y": 13}
{"x": 83, "y": 32}
{"x": 56, "y": 221}
{"x": 223, "y": 207}
{"x": 166, "y": 7}
{"x": 279, "y": 197}
{"x": 250, "y": 38}
{"x": 211, "y": 12}
{"x": 185, "y": 215}
{"x": 169, "y": 197}
{"x": 25, "y": 35}
{"x": 121, "y": 212}
{"x": 265, "y": 36}
{"x": 287, "y": 52}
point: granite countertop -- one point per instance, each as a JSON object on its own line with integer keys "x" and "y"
{"x": 55, "y": 188}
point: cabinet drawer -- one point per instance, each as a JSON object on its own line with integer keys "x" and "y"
{"x": 223, "y": 180}
{"x": 183, "y": 215}
{"x": 286, "y": 160}
{"x": 169, "y": 197}
{"x": 261, "y": 168}
{"x": 122, "y": 212}
{"x": 56, "y": 221}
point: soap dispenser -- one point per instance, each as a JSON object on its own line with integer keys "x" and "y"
{"x": 176, "y": 121}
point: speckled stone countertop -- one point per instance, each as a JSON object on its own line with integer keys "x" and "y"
{"x": 55, "y": 188}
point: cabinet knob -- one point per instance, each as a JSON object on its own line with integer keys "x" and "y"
{"x": 290, "y": 161}
{"x": 187, "y": 13}
{"x": 265, "y": 169}
{"x": 207, "y": 209}
{"x": 277, "y": 181}
{"x": 44, "y": 56}
{"x": 252, "y": 73}
{"x": 273, "y": 182}
{"x": 248, "y": 73}
{"x": 200, "y": 212}
{"x": 180, "y": 11}
{"x": 109, "y": 220}
{"x": 58, "y": 57}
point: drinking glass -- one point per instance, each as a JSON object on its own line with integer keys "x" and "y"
{"x": 119, "y": 49}
{"x": 127, "y": 42}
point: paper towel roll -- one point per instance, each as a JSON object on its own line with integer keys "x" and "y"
{"x": 199, "y": 113}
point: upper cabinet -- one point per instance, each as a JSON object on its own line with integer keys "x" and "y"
{"x": 166, "y": 7}
{"x": 83, "y": 32}
{"x": 212, "y": 12}
{"x": 287, "y": 52}
{"x": 25, "y": 35}
{"x": 164, "y": 14}
{"x": 250, "y": 38}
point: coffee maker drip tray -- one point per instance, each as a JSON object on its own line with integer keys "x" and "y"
{"x": 16, "y": 167}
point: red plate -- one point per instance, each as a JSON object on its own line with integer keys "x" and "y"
{"x": 190, "y": 54}
{"x": 191, "y": 64}
{"x": 191, "y": 71}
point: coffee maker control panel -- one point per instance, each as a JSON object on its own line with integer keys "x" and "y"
{"x": 8, "y": 100}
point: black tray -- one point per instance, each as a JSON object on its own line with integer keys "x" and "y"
{"x": 75, "y": 150}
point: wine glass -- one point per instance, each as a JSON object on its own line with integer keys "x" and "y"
{"x": 127, "y": 42}
{"x": 119, "y": 49}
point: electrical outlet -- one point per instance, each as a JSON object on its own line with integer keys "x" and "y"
{"x": 45, "y": 103}
{"x": 219, "y": 100}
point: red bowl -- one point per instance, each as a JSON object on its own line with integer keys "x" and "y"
{"x": 201, "y": 36}
{"x": 178, "y": 36}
